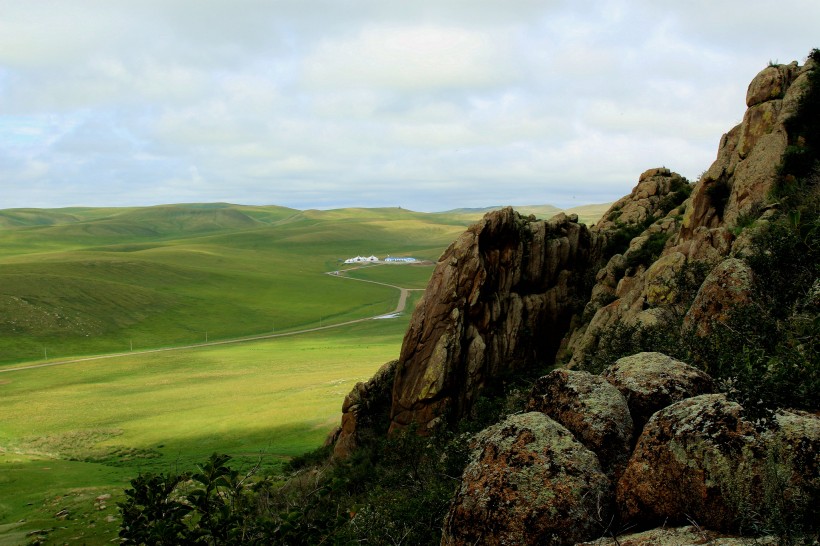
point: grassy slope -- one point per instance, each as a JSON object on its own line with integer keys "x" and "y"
{"x": 89, "y": 281}
{"x": 72, "y": 433}
{"x": 165, "y": 276}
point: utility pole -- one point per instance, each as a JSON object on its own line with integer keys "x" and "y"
{"x": 131, "y": 343}
{"x": 45, "y": 350}
{"x": 206, "y": 336}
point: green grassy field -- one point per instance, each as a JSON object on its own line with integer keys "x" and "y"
{"x": 88, "y": 281}
{"x": 75, "y": 432}
{"x": 85, "y": 281}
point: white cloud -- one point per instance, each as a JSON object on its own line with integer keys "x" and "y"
{"x": 411, "y": 59}
{"x": 429, "y": 104}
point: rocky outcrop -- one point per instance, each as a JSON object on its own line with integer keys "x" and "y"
{"x": 652, "y": 381}
{"x": 506, "y": 296}
{"x": 500, "y": 300}
{"x": 592, "y": 409}
{"x": 365, "y": 410}
{"x": 529, "y": 481}
{"x": 733, "y": 191}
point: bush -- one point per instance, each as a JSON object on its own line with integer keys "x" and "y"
{"x": 649, "y": 251}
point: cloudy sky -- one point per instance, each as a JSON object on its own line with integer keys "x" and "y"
{"x": 424, "y": 104}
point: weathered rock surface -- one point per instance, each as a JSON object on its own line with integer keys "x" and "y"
{"x": 736, "y": 186}
{"x": 365, "y": 410}
{"x": 529, "y": 481}
{"x": 699, "y": 458}
{"x": 644, "y": 202}
{"x": 728, "y": 286}
{"x": 652, "y": 381}
{"x": 592, "y": 409}
{"x": 679, "y": 536}
{"x": 500, "y": 300}
{"x": 684, "y": 453}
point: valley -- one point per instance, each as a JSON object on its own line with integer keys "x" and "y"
{"x": 143, "y": 340}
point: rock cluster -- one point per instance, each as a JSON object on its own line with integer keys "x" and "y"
{"x": 703, "y": 229}
{"x": 541, "y": 477}
{"x": 647, "y": 441}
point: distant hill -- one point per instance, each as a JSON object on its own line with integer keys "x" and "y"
{"x": 587, "y": 214}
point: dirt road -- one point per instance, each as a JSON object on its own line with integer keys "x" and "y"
{"x": 404, "y": 292}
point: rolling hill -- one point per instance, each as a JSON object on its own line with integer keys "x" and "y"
{"x": 80, "y": 281}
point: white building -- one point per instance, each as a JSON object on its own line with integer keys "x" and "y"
{"x": 400, "y": 260}
{"x": 361, "y": 259}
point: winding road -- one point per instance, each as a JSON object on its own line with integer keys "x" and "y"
{"x": 403, "y": 295}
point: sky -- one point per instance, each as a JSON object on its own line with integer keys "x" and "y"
{"x": 425, "y": 104}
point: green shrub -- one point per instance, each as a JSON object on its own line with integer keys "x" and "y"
{"x": 649, "y": 251}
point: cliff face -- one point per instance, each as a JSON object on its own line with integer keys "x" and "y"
{"x": 733, "y": 190}
{"x": 499, "y": 300}
{"x": 508, "y": 294}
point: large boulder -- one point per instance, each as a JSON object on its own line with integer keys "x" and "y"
{"x": 592, "y": 409}
{"x": 499, "y": 300}
{"x": 701, "y": 460}
{"x": 652, "y": 381}
{"x": 528, "y": 481}
{"x": 684, "y": 453}
{"x": 727, "y": 287}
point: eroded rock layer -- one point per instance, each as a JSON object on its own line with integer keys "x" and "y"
{"x": 500, "y": 299}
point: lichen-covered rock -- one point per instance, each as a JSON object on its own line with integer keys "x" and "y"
{"x": 500, "y": 300}
{"x": 529, "y": 481}
{"x": 365, "y": 410}
{"x": 728, "y": 286}
{"x": 684, "y": 455}
{"x": 644, "y": 201}
{"x": 701, "y": 460}
{"x": 770, "y": 83}
{"x": 660, "y": 279}
{"x": 680, "y": 536}
{"x": 795, "y": 441}
{"x": 652, "y": 381}
{"x": 592, "y": 409}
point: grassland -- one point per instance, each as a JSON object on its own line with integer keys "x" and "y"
{"x": 73, "y": 433}
{"x": 93, "y": 281}
{"x": 88, "y": 281}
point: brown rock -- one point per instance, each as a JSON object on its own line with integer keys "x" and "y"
{"x": 682, "y": 455}
{"x": 364, "y": 410}
{"x": 770, "y": 83}
{"x": 701, "y": 460}
{"x": 529, "y": 481}
{"x": 592, "y": 409}
{"x": 660, "y": 284}
{"x": 727, "y": 286}
{"x": 500, "y": 299}
{"x": 679, "y": 536}
{"x": 652, "y": 381}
